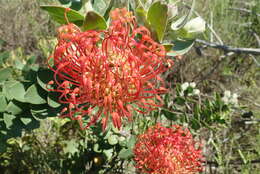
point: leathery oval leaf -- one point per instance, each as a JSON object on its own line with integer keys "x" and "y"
{"x": 58, "y": 14}
{"x": 8, "y": 120}
{"x": 180, "y": 47}
{"x": 157, "y": 17}
{"x": 35, "y": 95}
{"x": 94, "y": 21}
{"x": 3, "y": 103}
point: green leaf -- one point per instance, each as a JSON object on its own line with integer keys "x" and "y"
{"x": 26, "y": 121}
{"x": 169, "y": 115}
{"x": 3, "y": 103}
{"x": 15, "y": 130}
{"x": 31, "y": 60}
{"x": 6, "y": 89}
{"x": 64, "y": 1}
{"x": 43, "y": 77}
{"x": 18, "y": 64}
{"x": 30, "y": 72}
{"x": 29, "y": 122}
{"x": 17, "y": 91}
{"x": 141, "y": 14}
{"x": 15, "y": 107}
{"x": 5, "y": 73}
{"x": 168, "y": 46}
{"x": 180, "y": 47}
{"x": 8, "y": 120}
{"x": 52, "y": 99}
{"x": 3, "y": 56}
{"x": 43, "y": 111}
{"x": 179, "y": 100}
{"x": 195, "y": 124}
{"x": 131, "y": 142}
{"x": 71, "y": 147}
{"x": 108, "y": 153}
{"x": 35, "y": 95}
{"x": 76, "y": 4}
{"x": 94, "y": 21}
{"x": 96, "y": 148}
{"x": 125, "y": 153}
{"x": 113, "y": 139}
{"x": 57, "y": 13}
{"x": 157, "y": 17}
{"x": 108, "y": 9}
{"x": 2, "y": 146}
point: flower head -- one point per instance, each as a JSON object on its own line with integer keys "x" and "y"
{"x": 103, "y": 75}
{"x": 162, "y": 150}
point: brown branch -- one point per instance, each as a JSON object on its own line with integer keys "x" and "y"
{"x": 254, "y": 51}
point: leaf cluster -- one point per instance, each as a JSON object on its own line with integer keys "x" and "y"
{"x": 24, "y": 100}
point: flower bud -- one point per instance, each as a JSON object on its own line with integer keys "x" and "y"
{"x": 195, "y": 26}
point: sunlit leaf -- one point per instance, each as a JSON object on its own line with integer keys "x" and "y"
{"x": 26, "y": 120}
{"x": 52, "y": 99}
{"x": 96, "y": 148}
{"x": 168, "y": 46}
{"x": 3, "y": 103}
{"x": 57, "y": 13}
{"x": 43, "y": 111}
{"x": 131, "y": 142}
{"x": 141, "y": 15}
{"x": 71, "y": 147}
{"x": 125, "y": 153}
{"x": 8, "y": 119}
{"x": 94, "y": 21}
{"x": 108, "y": 153}
{"x": 15, "y": 107}
{"x": 5, "y": 73}
{"x": 113, "y": 139}
{"x": 6, "y": 89}
{"x": 157, "y": 17}
{"x": 35, "y": 95}
{"x": 17, "y": 91}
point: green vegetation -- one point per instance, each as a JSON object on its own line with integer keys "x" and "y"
{"x": 228, "y": 128}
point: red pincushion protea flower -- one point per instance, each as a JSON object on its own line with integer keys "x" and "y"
{"x": 103, "y": 74}
{"x": 163, "y": 150}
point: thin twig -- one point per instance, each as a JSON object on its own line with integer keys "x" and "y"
{"x": 211, "y": 24}
{"x": 254, "y": 51}
{"x": 254, "y": 59}
{"x": 257, "y": 38}
{"x": 243, "y": 10}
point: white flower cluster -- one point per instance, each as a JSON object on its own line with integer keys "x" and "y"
{"x": 229, "y": 98}
{"x": 187, "y": 85}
